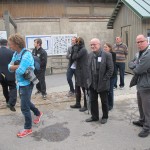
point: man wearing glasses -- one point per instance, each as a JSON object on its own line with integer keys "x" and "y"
{"x": 141, "y": 67}
{"x": 100, "y": 70}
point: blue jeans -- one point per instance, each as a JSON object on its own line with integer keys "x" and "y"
{"x": 26, "y": 105}
{"x": 70, "y": 73}
{"x": 111, "y": 93}
{"x": 121, "y": 67}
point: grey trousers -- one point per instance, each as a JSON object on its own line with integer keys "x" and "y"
{"x": 143, "y": 98}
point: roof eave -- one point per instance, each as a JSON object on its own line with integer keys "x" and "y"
{"x": 114, "y": 14}
{"x": 116, "y": 10}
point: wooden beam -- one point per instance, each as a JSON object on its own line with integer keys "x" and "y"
{"x": 8, "y": 19}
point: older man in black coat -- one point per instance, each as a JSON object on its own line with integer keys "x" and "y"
{"x": 7, "y": 79}
{"x": 100, "y": 70}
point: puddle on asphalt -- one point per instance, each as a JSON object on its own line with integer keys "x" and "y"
{"x": 52, "y": 133}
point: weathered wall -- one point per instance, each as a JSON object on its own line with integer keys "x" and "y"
{"x": 2, "y": 25}
{"x": 87, "y": 29}
{"x": 88, "y": 21}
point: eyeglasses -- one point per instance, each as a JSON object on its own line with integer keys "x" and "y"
{"x": 140, "y": 42}
{"x": 94, "y": 44}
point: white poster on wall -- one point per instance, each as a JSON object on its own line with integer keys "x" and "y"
{"x": 53, "y": 44}
{"x": 3, "y": 35}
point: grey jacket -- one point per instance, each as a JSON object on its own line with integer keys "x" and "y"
{"x": 69, "y": 56}
{"x": 106, "y": 69}
{"x": 142, "y": 68}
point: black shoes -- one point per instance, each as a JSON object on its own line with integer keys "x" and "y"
{"x": 12, "y": 108}
{"x": 103, "y": 121}
{"x": 91, "y": 120}
{"x": 138, "y": 123}
{"x": 75, "y": 106}
{"x": 83, "y": 109}
{"x": 143, "y": 133}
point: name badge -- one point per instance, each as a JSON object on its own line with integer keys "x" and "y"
{"x": 38, "y": 55}
{"x": 99, "y": 59}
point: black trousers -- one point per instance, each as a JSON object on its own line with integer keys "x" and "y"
{"x": 9, "y": 91}
{"x": 78, "y": 95}
{"x": 41, "y": 86}
{"x": 95, "y": 106}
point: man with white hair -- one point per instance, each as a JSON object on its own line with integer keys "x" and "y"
{"x": 100, "y": 70}
{"x": 141, "y": 67}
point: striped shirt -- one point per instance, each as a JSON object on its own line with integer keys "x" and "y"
{"x": 121, "y": 51}
{"x": 26, "y": 61}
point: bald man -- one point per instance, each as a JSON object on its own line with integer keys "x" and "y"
{"x": 100, "y": 70}
{"x": 141, "y": 67}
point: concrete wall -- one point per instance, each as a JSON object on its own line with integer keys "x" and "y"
{"x": 2, "y": 25}
{"x": 88, "y": 21}
{"x": 88, "y": 29}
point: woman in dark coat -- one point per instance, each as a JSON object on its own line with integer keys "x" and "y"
{"x": 80, "y": 55}
{"x": 108, "y": 48}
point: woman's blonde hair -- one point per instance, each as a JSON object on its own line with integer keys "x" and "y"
{"x": 17, "y": 39}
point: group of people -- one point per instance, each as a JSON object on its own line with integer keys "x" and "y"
{"x": 13, "y": 65}
{"x": 95, "y": 74}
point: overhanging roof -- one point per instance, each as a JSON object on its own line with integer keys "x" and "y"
{"x": 140, "y": 7}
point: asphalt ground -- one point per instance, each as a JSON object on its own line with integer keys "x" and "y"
{"x": 63, "y": 128}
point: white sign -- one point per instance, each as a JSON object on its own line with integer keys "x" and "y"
{"x": 3, "y": 35}
{"x": 53, "y": 44}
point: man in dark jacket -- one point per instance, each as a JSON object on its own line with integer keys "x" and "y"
{"x": 7, "y": 79}
{"x": 141, "y": 67}
{"x": 41, "y": 53}
{"x": 100, "y": 71}
{"x": 80, "y": 55}
{"x": 71, "y": 68}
